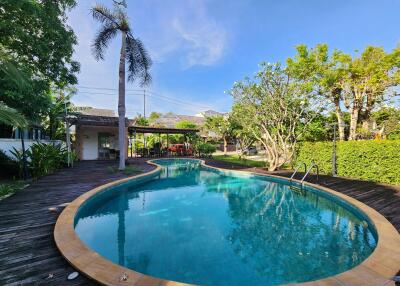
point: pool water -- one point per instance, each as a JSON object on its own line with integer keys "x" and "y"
{"x": 198, "y": 225}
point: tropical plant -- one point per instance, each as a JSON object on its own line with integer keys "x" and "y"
{"x": 325, "y": 73}
{"x": 369, "y": 79}
{"x": 40, "y": 44}
{"x": 43, "y": 159}
{"x": 243, "y": 135}
{"x": 186, "y": 124}
{"x": 60, "y": 105}
{"x": 154, "y": 116}
{"x": 222, "y": 126}
{"x": 132, "y": 51}
{"x": 9, "y": 167}
{"x": 276, "y": 109}
{"x": 10, "y": 116}
{"x": 203, "y": 149}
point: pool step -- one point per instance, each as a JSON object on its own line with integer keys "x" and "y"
{"x": 298, "y": 190}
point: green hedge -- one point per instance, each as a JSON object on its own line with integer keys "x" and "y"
{"x": 370, "y": 160}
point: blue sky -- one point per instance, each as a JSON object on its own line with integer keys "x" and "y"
{"x": 199, "y": 48}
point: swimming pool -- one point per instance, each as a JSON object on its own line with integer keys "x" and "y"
{"x": 198, "y": 225}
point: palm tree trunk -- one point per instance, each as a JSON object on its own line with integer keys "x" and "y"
{"x": 121, "y": 104}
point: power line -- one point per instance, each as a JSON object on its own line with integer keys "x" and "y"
{"x": 166, "y": 98}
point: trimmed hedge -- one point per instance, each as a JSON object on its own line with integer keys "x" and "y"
{"x": 370, "y": 160}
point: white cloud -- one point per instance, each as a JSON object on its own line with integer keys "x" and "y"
{"x": 188, "y": 32}
{"x": 173, "y": 31}
{"x": 204, "y": 43}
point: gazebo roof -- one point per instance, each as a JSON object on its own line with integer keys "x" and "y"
{"x": 161, "y": 130}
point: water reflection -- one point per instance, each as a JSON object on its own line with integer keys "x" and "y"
{"x": 201, "y": 226}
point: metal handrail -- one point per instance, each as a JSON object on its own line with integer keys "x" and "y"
{"x": 297, "y": 168}
{"x": 313, "y": 165}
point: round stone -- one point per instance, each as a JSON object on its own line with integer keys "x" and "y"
{"x": 73, "y": 275}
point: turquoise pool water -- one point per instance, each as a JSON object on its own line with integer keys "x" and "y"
{"x": 198, "y": 225}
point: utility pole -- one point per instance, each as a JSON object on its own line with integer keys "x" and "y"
{"x": 68, "y": 136}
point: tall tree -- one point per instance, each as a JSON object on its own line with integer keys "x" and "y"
{"x": 222, "y": 126}
{"x": 34, "y": 34}
{"x": 276, "y": 108}
{"x": 325, "y": 73}
{"x": 369, "y": 78}
{"x": 241, "y": 132}
{"x": 132, "y": 51}
{"x": 60, "y": 106}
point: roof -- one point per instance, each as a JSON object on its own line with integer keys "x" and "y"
{"x": 210, "y": 113}
{"x": 172, "y": 120}
{"x": 94, "y": 120}
{"x": 87, "y": 110}
{"x": 161, "y": 130}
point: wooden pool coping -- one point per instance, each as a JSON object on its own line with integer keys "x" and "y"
{"x": 377, "y": 269}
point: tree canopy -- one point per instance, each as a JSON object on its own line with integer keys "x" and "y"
{"x": 37, "y": 40}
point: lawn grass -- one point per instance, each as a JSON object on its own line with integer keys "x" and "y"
{"x": 8, "y": 188}
{"x": 236, "y": 160}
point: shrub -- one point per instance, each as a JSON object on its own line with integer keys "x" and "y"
{"x": 370, "y": 160}
{"x": 42, "y": 158}
{"x": 204, "y": 149}
{"x": 9, "y": 168}
{"x": 10, "y": 188}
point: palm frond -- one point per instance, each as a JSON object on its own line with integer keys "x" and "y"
{"x": 139, "y": 61}
{"x": 10, "y": 116}
{"x": 104, "y": 15}
{"x": 11, "y": 70}
{"x": 102, "y": 39}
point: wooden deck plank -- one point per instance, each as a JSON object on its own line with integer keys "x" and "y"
{"x": 28, "y": 253}
{"x": 27, "y": 250}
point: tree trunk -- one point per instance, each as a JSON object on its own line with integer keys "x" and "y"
{"x": 121, "y": 105}
{"x": 353, "y": 122}
{"x": 273, "y": 164}
{"x": 340, "y": 120}
{"x": 225, "y": 146}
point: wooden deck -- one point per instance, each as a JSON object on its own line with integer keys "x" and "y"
{"x": 28, "y": 255}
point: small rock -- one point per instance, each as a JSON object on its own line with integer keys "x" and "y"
{"x": 73, "y": 275}
{"x": 51, "y": 275}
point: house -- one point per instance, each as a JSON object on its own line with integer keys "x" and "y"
{"x": 96, "y": 133}
{"x": 10, "y": 138}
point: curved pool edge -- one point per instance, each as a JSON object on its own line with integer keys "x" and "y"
{"x": 377, "y": 269}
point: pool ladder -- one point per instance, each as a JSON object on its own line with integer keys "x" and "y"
{"x": 306, "y": 171}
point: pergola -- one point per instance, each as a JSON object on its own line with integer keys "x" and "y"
{"x": 134, "y": 130}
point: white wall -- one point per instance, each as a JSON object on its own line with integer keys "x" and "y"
{"x": 90, "y": 144}
{"x": 7, "y": 144}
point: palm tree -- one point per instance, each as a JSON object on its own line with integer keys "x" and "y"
{"x": 10, "y": 116}
{"x": 132, "y": 52}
